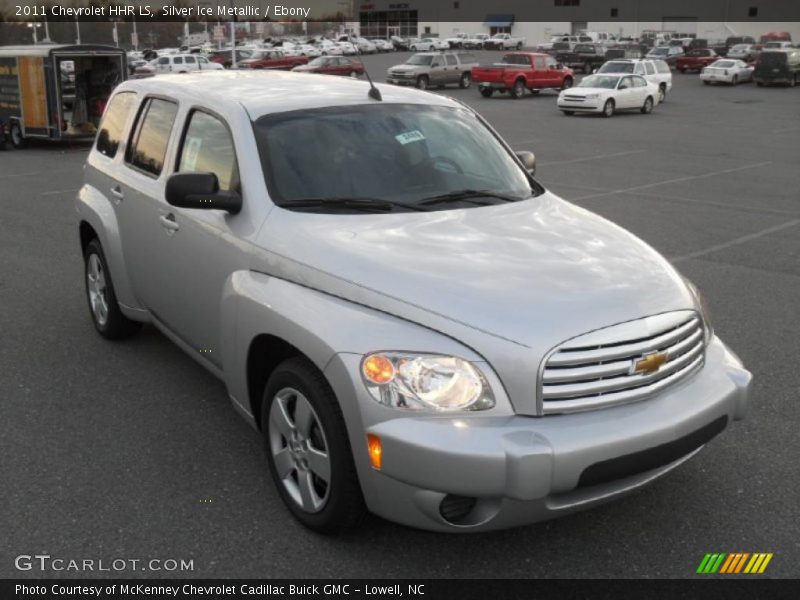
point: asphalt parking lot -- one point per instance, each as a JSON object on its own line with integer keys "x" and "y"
{"x": 131, "y": 450}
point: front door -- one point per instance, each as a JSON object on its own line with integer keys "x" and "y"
{"x": 197, "y": 249}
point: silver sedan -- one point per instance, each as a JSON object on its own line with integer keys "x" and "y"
{"x": 727, "y": 70}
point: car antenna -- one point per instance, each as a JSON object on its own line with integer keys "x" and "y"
{"x": 374, "y": 92}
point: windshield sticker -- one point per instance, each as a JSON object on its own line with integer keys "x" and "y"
{"x": 190, "y": 154}
{"x": 410, "y": 137}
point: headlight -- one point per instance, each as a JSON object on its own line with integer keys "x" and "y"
{"x": 425, "y": 382}
{"x": 702, "y": 304}
{"x": 592, "y": 96}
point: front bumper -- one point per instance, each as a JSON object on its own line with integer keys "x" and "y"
{"x": 585, "y": 106}
{"x": 716, "y": 78}
{"x": 402, "y": 80}
{"x": 514, "y": 470}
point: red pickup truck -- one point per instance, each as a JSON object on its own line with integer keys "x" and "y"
{"x": 695, "y": 60}
{"x": 520, "y": 71}
{"x": 272, "y": 59}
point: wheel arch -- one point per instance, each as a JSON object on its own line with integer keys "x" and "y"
{"x": 97, "y": 219}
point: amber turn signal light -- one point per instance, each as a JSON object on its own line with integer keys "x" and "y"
{"x": 378, "y": 369}
{"x": 375, "y": 450}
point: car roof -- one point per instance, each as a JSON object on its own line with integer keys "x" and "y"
{"x": 263, "y": 92}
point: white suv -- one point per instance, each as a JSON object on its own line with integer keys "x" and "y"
{"x": 654, "y": 71}
{"x": 184, "y": 63}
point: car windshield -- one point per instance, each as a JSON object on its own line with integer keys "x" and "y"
{"x": 319, "y": 62}
{"x": 584, "y": 48}
{"x": 420, "y": 59}
{"x": 616, "y": 67}
{"x": 723, "y": 64}
{"x": 662, "y": 51}
{"x": 400, "y": 153}
{"x": 561, "y": 46}
{"x": 740, "y": 47}
{"x": 599, "y": 81}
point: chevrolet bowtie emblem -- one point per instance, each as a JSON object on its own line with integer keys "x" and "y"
{"x": 649, "y": 363}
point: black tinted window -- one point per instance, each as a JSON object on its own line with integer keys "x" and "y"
{"x": 114, "y": 120}
{"x": 151, "y": 136}
{"x": 208, "y": 148}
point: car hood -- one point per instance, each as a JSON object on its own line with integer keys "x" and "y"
{"x": 405, "y": 68}
{"x": 510, "y": 281}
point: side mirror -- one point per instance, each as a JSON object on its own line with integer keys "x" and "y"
{"x": 200, "y": 191}
{"x": 528, "y": 160}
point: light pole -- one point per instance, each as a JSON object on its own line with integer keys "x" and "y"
{"x": 77, "y": 31}
{"x": 234, "y": 63}
{"x": 33, "y": 27}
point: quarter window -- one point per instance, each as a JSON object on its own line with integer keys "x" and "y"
{"x": 208, "y": 148}
{"x": 151, "y": 136}
{"x": 114, "y": 121}
{"x": 190, "y": 60}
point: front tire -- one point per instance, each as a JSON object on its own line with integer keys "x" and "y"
{"x": 103, "y": 306}
{"x": 608, "y": 108}
{"x": 486, "y": 92}
{"x": 569, "y": 113}
{"x": 308, "y": 451}
{"x": 465, "y": 81}
{"x": 422, "y": 82}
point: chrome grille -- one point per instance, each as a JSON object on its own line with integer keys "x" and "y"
{"x": 573, "y": 98}
{"x": 598, "y": 369}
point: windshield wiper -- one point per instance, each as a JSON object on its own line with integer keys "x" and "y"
{"x": 363, "y": 204}
{"x": 469, "y": 195}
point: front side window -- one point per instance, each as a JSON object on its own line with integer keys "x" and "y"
{"x": 151, "y": 136}
{"x": 402, "y": 153}
{"x": 112, "y": 128}
{"x": 208, "y": 148}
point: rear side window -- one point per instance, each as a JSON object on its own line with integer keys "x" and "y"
{"x": 178, "y": 60}
{"x": 208, "y": 148}
{"x": 451, "y": 60}
{"x": 651, "y": 70}
{"x": 114, "y": 120}
{"x": 151, "y": 136}
{"x": 662, "y": 67}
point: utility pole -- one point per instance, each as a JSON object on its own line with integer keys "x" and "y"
{"x": 234, "y": 63}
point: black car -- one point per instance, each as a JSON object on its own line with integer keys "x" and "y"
{"x": 778, "y": 67}
{"x": 584, "y": 57}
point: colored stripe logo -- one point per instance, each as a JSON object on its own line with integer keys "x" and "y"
{"x": 735, "y": 562}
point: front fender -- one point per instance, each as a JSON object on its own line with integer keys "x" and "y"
{"x": 317, "y": 324}
{"x": 94, "y": 208}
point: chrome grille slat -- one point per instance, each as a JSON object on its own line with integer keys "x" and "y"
{"x": 567, "y": 356}
{"x": 597, "y": 369}
{"x": 618, "y": 383}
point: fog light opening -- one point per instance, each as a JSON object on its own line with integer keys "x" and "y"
{"x": 455, "y": 509}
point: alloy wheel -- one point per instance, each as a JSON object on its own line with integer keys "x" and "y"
{"x": 299, "y": 450}
{"x": 96, "y": 286}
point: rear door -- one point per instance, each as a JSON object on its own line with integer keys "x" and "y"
{"x": 452, "y": 73}
{"x": 141, "y": 187}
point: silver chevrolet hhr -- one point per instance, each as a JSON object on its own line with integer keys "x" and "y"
{"x": 415, "y": 325}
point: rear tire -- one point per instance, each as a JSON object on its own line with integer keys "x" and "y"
{"x": 465, "y": 81}
{"x": 103, "y": 306}
{"x": 735, "y": 80}
{"x": 303, "y": 449}
{"x": 647, "y": 107}
{"x": 587, "y": 69}
{"x": 567, "y": 83}
{"x": 486, "y": 92}
{"x": 608, "y": 108}
{"x": 17, "y": 138}
{"x": 518, "y": 91}
{"x": 662, "y": 93}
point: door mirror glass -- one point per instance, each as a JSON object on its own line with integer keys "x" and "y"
{"x": 528, "y": 160}
{"x": 200, "y": 191}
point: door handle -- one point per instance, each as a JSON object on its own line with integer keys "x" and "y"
{"x": 168, "y": 222}
{"x": 116, "y": 191}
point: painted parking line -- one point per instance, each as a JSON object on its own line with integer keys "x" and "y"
{"x": 736, "y": 242}
{"x": 55, "y": 192}
{"x": 588, "y": 158}
{"x": 676, "y": 180}
{"x": 712, "y": 203}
